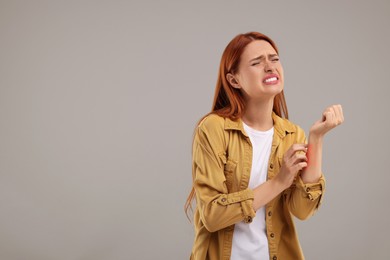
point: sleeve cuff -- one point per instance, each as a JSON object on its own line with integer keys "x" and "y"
{"x": 312, "y": 190}
{"x": 239, "y": 196}
{"x": 248, "y": 211}
{"x": 245, "y": 198}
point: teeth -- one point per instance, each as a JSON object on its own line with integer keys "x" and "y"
{"x": 271, "y": 79}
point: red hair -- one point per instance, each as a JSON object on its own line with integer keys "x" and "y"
{"x": 229, "y": 101}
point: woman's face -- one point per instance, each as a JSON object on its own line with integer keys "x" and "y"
{"x": 260, "y": 73}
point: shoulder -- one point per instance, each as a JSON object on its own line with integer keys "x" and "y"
{"x": 212, "y": 122}
{"x": 211, "y": 130}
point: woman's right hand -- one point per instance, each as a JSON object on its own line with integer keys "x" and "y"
{"x": 292, "y": 163}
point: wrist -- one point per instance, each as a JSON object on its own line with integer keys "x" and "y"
{"x": 278, "y": 185}
{"x": 315, "y": 138}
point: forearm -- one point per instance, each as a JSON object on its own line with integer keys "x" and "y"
{"x": 265, "y": 192}
{"x": 313, "y": 171}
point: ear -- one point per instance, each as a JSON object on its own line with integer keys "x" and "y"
{"x": 233, "y": 81}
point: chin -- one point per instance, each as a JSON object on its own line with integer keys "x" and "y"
{"x": 275, "y": 90}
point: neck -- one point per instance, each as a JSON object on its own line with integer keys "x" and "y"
{"x": 258, "y": 115}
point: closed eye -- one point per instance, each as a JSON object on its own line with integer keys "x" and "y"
{"x": 276, "y": 59}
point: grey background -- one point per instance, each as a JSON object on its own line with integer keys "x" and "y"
{"x": 98, "y": 101}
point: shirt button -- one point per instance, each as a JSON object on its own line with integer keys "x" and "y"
{"x": 271, "y": 166}
{"x": 274, "y": 258}
{"x": 269, "y": 213}
{"x": 307, "y": 189}
{"x": 272, "y": 235}
{"x": 223, "y": 199}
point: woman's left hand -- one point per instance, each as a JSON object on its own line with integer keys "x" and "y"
{"x": 331, "y": 117}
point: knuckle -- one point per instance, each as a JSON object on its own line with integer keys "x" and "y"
{"x": 297, "y": 146}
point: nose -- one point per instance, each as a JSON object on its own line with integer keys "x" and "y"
{"x": 268, "y": 67}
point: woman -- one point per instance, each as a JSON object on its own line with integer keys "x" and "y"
{"x": 251, "y": 168}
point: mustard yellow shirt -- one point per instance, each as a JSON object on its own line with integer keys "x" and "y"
{"x": 221, "y": 166}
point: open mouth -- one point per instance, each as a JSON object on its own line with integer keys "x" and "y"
{"x": 271, "y": 79}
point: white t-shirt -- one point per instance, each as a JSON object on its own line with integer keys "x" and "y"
{"x": 250, "y": 240}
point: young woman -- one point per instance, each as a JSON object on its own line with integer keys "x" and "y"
{"x": 253, "y": 169}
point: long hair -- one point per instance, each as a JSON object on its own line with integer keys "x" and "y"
{"x": 229, "y": 101}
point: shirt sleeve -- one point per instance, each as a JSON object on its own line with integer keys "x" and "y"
{"x": 217, "y": 207}
{"x": 304, "y": 199}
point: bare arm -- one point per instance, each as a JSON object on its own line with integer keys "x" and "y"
{"x": 265, "y": 192}
{"x": 312, "y": 172}
{"x": 331, "y": 117}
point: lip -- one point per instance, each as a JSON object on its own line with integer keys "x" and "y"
{"x": 271, "y": 76}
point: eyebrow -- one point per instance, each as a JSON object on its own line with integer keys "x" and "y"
{"x": 262, "y": 57}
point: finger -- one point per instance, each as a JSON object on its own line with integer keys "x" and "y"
{"x": 340, "y": 113}
{"x": 299, "y": 166}
{"x": 297, "y": 158}
{"x": 293, "y": 149}
{"x": 329, "y": 117}
{"x": 289, "y": 153}
{"x": 337, "y": 114}
{"x": 326, "y": 112}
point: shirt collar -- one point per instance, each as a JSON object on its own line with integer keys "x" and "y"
{"x": 281, "y": 125}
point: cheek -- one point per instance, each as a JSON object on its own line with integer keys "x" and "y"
{"x": 280, "y": 72}
{"x": 254, "y": 75}
{"x": 249, "y": 77}
{"x": 280, "y": 69}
